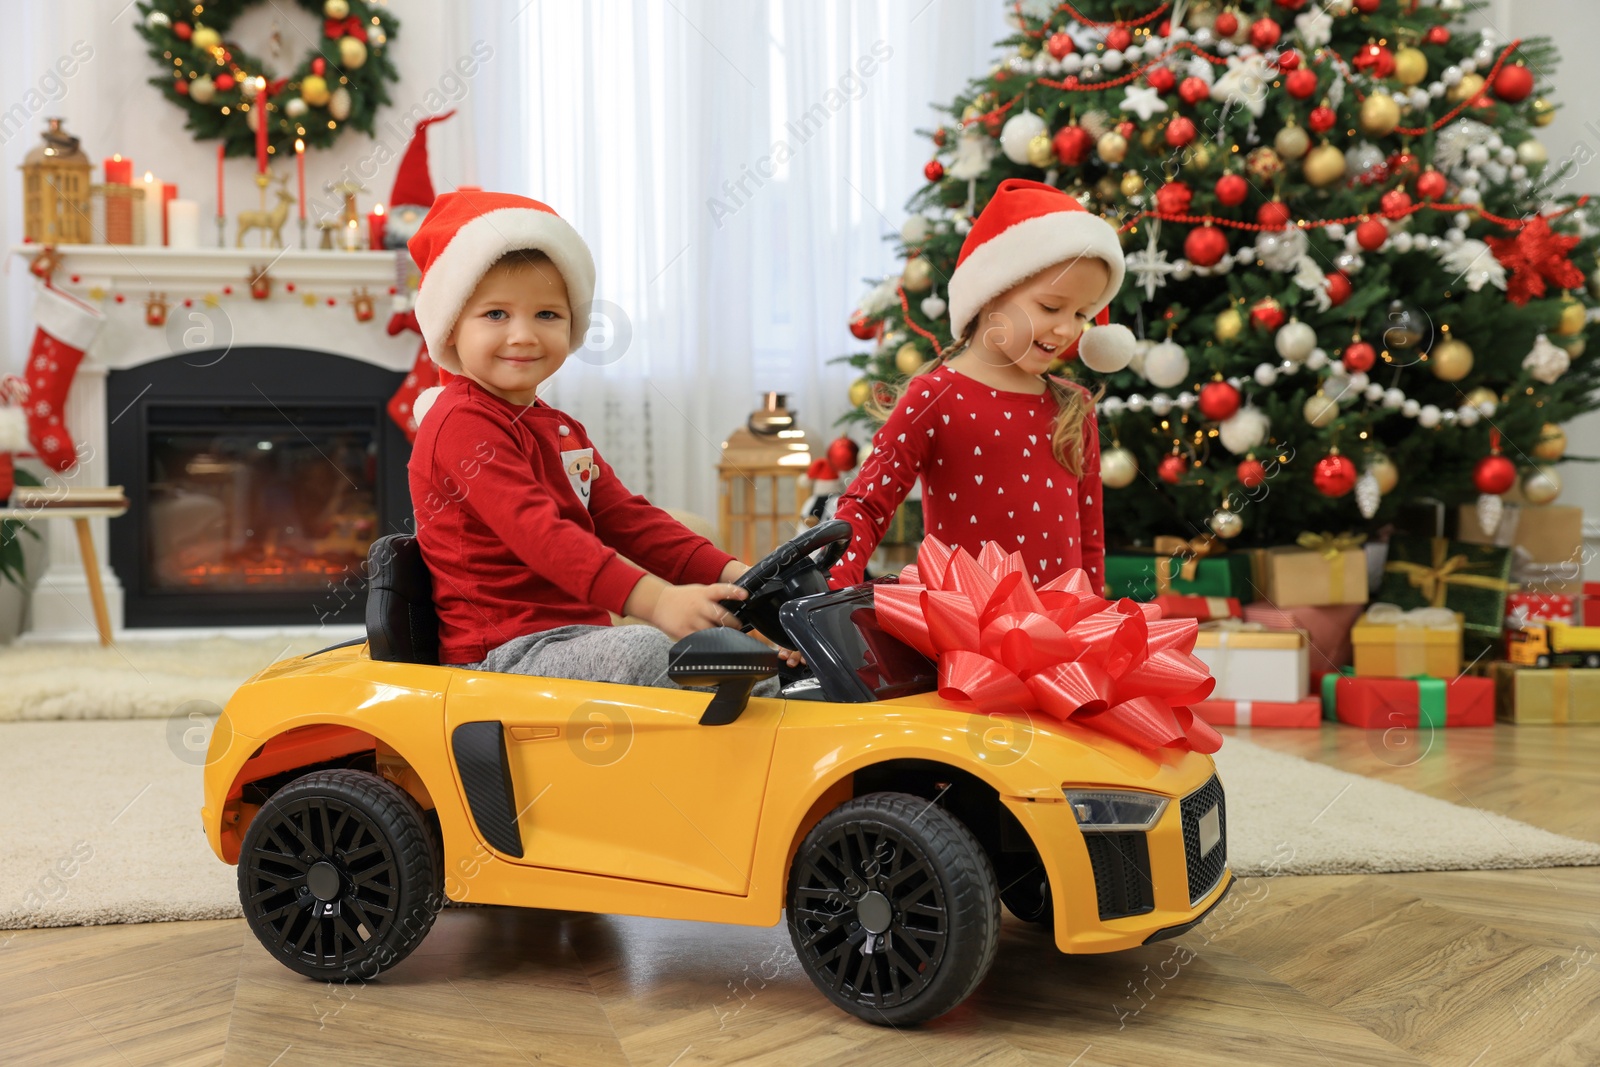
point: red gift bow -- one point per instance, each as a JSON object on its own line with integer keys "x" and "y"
{"x": 1118, "y": 668}
{"x": 350, "y": 27}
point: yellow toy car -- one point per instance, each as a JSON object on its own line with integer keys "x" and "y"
{"x": 1553, "y": 643}
{"x": 360, "y": 787}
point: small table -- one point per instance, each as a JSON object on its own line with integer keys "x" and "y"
{"x": 91, "y": 564}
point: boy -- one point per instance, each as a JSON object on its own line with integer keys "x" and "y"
{"x": 518, "y": 516}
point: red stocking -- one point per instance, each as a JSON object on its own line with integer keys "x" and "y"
{"x": 13, "y": 430}
{"x": 66, "y": 327}
{"x": 424, "y": 375}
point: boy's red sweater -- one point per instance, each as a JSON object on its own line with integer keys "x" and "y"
{"x": 521, "y": 521}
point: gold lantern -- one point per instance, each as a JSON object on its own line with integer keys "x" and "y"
{"x": 760, "y": 491}
{"x": 55, "y": 190}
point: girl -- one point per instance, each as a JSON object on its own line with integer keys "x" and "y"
{"x": 1006, "y": 452}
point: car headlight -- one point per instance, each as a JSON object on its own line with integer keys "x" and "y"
{"x": 1105, "y": 810}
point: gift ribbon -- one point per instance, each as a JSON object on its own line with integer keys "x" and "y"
{"x": 1241, "y": 712}
{"x": 1331, "y": 547}
{"x": 1431, "y": 702}
{"x": 1006, "y": 647}
{"x": 1560, "y": 695}
{"x": 1191, "y": 553}
{"x": 1434, "y": 581}
{"x": 1410, "y": 639}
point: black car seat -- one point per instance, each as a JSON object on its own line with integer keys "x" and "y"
{"x": 402, "y": 626}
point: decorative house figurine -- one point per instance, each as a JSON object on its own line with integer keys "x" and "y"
{"x": 55, "y": 190}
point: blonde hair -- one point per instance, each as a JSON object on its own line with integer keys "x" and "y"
{"x": 520, "y": 258}
{"x": 1066, "y": 433}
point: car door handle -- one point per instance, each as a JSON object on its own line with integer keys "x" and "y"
{"x": 534, "y": 733}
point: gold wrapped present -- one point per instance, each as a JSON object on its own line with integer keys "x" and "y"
{"x": 1531, "y": 695}
{"x": 1391, "y": 642}
{"x": 1318, "y": 569}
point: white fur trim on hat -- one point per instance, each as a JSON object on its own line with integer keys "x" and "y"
{"x": 1024, "y": 250}
{"x": 67, "y": 319}
{"x": 424, "y": 402}
{"x": 455, "y": 272}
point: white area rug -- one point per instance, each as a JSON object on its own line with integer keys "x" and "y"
{"x": 101, "y": 824}
{"x": 135, "y": 679}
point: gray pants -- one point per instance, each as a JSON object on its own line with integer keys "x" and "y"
{"x": 629, "y": 655}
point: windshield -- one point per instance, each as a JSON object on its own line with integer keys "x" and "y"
{"x": 855, "y": 659}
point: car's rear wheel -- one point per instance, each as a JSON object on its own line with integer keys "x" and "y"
{"x": 338, "y": 875}
{"x": 893, "y": 909}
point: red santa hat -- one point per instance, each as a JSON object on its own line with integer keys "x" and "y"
{"x": 462, "y": 237}
{"x": 1026, "y": 227}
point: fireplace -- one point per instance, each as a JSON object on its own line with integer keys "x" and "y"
{"x": 256, "y": 478}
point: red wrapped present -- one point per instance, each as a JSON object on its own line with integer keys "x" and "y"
{"x": 1523, "y": 608}
{"x": 1328, "y": 626}
{"x": 1385, "y": 703}
{"x": 1301, "y": 714}
{"x": 1199, "y": 608}
{"x": 1006, "y": 647}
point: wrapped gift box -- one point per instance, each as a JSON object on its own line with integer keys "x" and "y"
{"x": 1327, "y": 627}
{"x": 1472, "y": 580}
{"x": 1255, "y": 664}
{"x": 1301, "y": 577}
{"x": 1385, "y": 703}
{"x": 1391, "y": 643}
{"x": 1525, "y": 607}
{"x": 1529, "y": 695}
{"x": 1147, "y": 575}
{"x": 1550, "y": 534}
{"x": 1203, "y": 608}
{"x": 1301, "y": 714}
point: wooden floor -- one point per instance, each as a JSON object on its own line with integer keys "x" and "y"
{"x": 1468, "y": 968}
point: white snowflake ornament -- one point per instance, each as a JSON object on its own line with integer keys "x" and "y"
{"x": 1473, "y": 263}
{"x": 1546, "y": 362}
{"x": 1144, "y": 101}
{"x": 1245, "y": 85}
{"x": 974, "y": 152}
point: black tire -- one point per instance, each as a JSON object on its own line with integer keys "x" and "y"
{"x": 898, "y": 863}
{"x": 1025, "y": 891}
{"x": 339, "y": 875}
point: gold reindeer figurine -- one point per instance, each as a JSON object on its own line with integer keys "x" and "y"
{"x": 270, "y": 222}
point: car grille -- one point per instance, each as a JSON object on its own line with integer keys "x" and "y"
{"x": 1121, "y": 873}
{"x": 1204, "y": 872}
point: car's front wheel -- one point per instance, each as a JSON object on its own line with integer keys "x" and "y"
{"x": 893, "y": 909}
{"x": 339, "y": 876}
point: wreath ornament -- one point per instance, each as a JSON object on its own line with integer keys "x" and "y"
{"x": 342, "y": 81}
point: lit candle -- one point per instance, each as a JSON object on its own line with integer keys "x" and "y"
{"x": 221, "y": 209}
{"x": 119, "y": 207}
{"x": 169, "y": 193}
{"x": 151, "y": 209}
{"x": 352, "y": 236}
{"x": 261, "y": 125}
{"x": 183, "y": 223}
{"x": 375, "y": 225}
{"x": 300, "y": 169}
{"x": 119, "y": 170}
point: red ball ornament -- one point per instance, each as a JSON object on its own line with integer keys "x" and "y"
{"x": 1119, "y": 38}
{"x": 1376, "y": 59}
{"x": 1431, "y": 185}
{"x": 182, "y": 30}
{"x": 1267, "y": 314}
{"x": 1372, "y": 234}
{"x": 181, "y": 86}
{"x": 1127, "y": 129}
{"x": 1338, "y": 288}
{"x": 1227, "y": 24}
{"x": 1251, "y": 473}
{"x": 319, "y": 66}
{"x": 1437, "y": 35}
{"x": 224, "y": 82}
{"x": 1395, "y": 203}
{"x": 1274, "y": 215}
{"x": 843, "y": 453}
{"x": 1322, "y": 119}
{"x": 939, "y": 136}
{"x": 1292, "y": 5}
{"x": 1172, "y": 468}
{"x": 1205, "y": 246}
{"x": 1218, "y": 401}
{"x": 1193, "y": 90}
{"x": 1288, "y": 60}
{"x": 118, "y": 298}
{"x": 1301, "y": 83}
{"x": 1174, "y": 198}
{"x": 1232, "y": 189}
{"x": 1494, "y": 474}
{"x": 1161, "y": 79}
{"x": 1367, "y": 7}
{"x": 1359, "y": 357}
{"x": 1335, "y": 475}
{"x": 1180, "y": 132}
{"x": 1164, "y": 29}
{"x": 1059, "y": 45}
{"x": 864, "y": 329}
{"x": 933, "y": 171}
{"x": 1513, "y": 84}
{"x": 1072, "y": 145}
{"x": 1264, "y": 33}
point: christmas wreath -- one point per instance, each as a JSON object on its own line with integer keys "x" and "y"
{"x": 342, "y": 81}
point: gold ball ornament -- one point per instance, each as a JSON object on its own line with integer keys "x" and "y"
{"x": 860, "y": 392}
{"x": 1263, "y": 163}
{"x": 1147, "y": 137}
{"x": 336, "y": 9}
{"x": 1324, "y": 165}
{"x": 1132, "y": 183}
{"x": 203, "y": 90}
{"x": 1292, "y": 142}
{"x": 918, "y": 275}
{"x": 1106, "y": 189}
{"x": 352, "y": 53}
{"x": 1198, "y": 157}
{"x": 1532, "y": 153}
{"x": 1541, "y": 485}
{"x": 205, "y": 38}
{"x": 1410, "y": 66}
{"x": 1552, "y": 443}
{"x": 1544, "y": 112}
{"x": 1573, "y": 317}
{"x": 1594, "y": 285}
{"x": 1383, "y": 470}
{"x": 908, "y": 358}
{"x": 314, "y": 90}
{"x": 1040, "y": 151}
{"x": 1027, "y": 49}
{"x": 1320, "y": 410}
{"x": 1118, "y": 468}
{"x": 1467, "y": 88}
{"x": 1226, "y": 524}
{"x": 970, "y": 112}
{"x": 1483, "y": 395}
{"x": 1451, "y": 360}
{"x": 1574, "y": 346}
{"x": 1230, "y": 323}
{"x": 1112, "y": 147}
{"x": 1379, "y": 115}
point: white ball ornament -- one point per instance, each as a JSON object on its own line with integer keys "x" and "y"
{"x": 1541, "y": 485}
{"x": 296, "y": 108}
{"x": 1468, "y": 416}
{"x": 962, "y": 224}
{"x": 1317, "y": 359}
{"x": 1186, "y": 401}
{"x": 1478, "y": 155}
{"x": 1244, "y": 430}
{"x": 1107, "y": 349}
{"x": 1409, "y": 408}
{"x": 1393, "y": 398}
{"x": 1295, "y": 340}
{"x": 1118, "y": 468}
{"x": 1136, "y": 403}
{"x": 1166, "y": 365}
{"x": 1374, "y": 393}
{"x": 1266, "y": 374}
{"x": 914, "y": 230}
{"x": 1320, "y": 410}
{"x": 933, "y": 306}
{"x": 1226, "y": 524}
{"x": 1161, "y": 404}
{"x": 1428, "y": 416}
{"x": 1359, "y": 381}
{"x": 1020, "y": 129}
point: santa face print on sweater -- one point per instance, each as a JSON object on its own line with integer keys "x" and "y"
{"x": 580, "y": 468}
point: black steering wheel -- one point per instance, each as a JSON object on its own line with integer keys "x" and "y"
{"x": 789, "y": 571}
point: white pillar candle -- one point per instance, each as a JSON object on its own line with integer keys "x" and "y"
{"x": 183, "y": 224}
{"x": 153, "y": 192}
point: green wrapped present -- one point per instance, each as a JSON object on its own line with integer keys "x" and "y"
{"x": 1144, "y": 574}
{"x": 906, "y": 526}
{"x": 1437, "y": 572}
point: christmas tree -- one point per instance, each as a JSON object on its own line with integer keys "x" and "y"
{"x": 1351, "y": 273}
